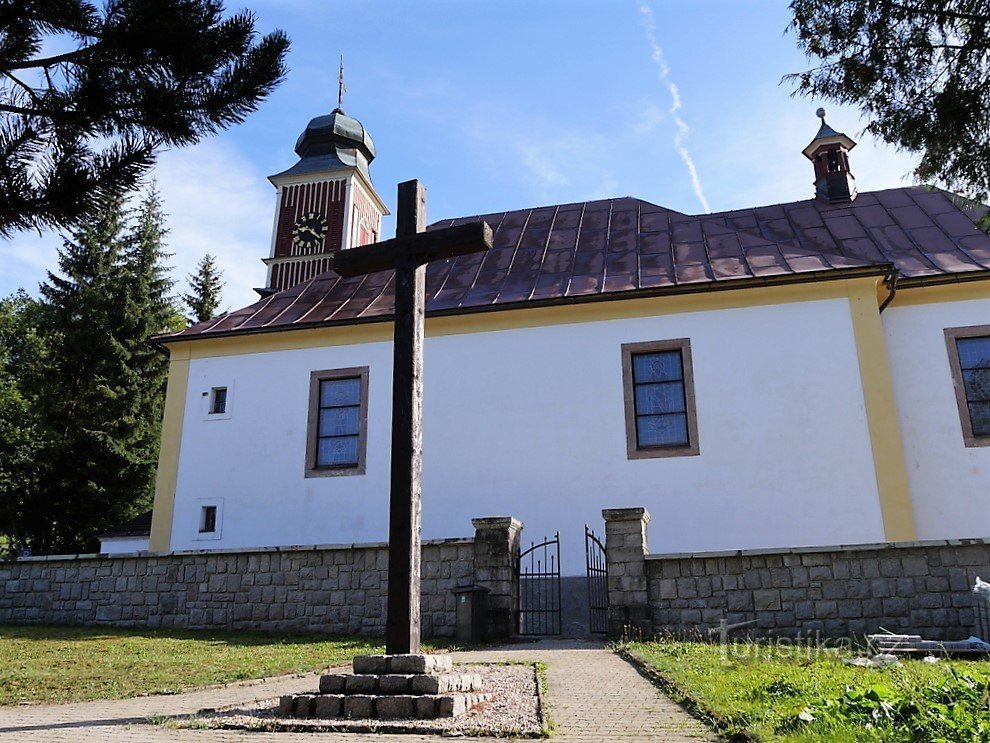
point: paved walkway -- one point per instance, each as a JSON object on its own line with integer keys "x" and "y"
{"x": 592, "y": 695}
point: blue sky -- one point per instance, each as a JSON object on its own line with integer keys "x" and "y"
{"x": 497, "y": 106}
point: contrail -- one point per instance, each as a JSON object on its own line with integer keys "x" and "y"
{"x": 650, "y": 26}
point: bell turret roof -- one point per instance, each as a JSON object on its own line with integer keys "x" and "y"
{"x": 330, "y": 142}
{"x": 827, "y": 135}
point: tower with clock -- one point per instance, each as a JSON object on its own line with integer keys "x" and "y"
{"x": 325, "y": 202}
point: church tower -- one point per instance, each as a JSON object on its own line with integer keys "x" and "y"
{"x": 829, "y": 151}
{"x": 325, "y": 202}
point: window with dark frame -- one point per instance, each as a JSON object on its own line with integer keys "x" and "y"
{"x": 659, "y": 399}
{"x": 218, "y": 401}
{"x": 338, "y": 422}
{"x": 969, "y": 358}
{"x": 208, "y": 522}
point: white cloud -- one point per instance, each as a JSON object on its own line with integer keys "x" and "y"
{"x": 681, "y": 129}
{"x": 218, "y": 203}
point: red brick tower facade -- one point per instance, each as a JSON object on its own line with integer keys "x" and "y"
{"x": 326, "y": 201}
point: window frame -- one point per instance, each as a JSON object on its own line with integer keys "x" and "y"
{"x": 312, "y": 438}
{"x": 633, "y": 450}
{"x": 213, "y": 401}
{"x": 951, "y": 336}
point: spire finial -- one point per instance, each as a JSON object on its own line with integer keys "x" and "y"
{"x": 340, "y": 84}
{"x": 820, "y": 113}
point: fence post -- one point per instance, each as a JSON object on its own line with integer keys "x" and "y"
{"x": 496, "y": 554}
{"x": 625, "y": 551}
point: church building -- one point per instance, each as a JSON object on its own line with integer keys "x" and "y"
{"x": 798, "y": 374}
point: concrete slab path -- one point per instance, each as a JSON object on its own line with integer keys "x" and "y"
{"x": 593, "y": 696}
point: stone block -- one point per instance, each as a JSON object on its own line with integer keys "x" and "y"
{"x": 361, "y": 684}
{"x": 285, "y": 705}
{"x": 359, "y": 706}
{"x": 915, "y": 565}
{"x": 739, "y": 601}
{"x": 766, "y": 600}
{"x": 328, "y": 706}
{"x": 425, "y": 708}
{"x": 826, "y": 609}
{"x": 333, "y": 683}
{"x": 419, "y": 663}
{"x": 451, "y": 706}
{"x": 377, "y": 664}
{"x": 400, "y": 707}
{"x": 394, "y": 683}
{"x": 804, "y": 610}
{"x": 890, "y": 567}
{"x": 302, "y": 705}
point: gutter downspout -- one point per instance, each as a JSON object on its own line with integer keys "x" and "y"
{"x": 890, "y": 281}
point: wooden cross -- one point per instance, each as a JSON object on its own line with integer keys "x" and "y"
{"x": 408, "y": 254}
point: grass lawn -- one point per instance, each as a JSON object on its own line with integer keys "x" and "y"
{"x": 787, "y": 693}
{"x": 60, "y": 664}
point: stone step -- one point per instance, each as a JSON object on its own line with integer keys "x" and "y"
{"x": 394, "y": 664}
{"x": 395, "y": 683}
{"x": 375, "y": 707}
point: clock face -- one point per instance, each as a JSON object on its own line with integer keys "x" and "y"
{"x": 309, "y": 231}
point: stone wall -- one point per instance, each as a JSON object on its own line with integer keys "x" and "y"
{"x": 842, "y": 591}
{"x": 333, "y": 589}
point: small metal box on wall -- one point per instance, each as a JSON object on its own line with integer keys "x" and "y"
{"x": 472, "y": 614}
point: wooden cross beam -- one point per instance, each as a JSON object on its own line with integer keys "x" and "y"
{"x": 408, "y": 254}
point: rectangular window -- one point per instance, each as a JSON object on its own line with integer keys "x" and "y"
{"x": 338, "y": 419}
{"x": 969, "y": 359}
{"x": 218, "y": 401}
{"x": 659, "y": 399}
{"x": 208, "y": 520}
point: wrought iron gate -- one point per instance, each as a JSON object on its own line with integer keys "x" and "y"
{"x": 539, "y": 588}
{"x": 597, "y": 567}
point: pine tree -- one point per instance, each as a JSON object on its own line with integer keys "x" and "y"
{"x": 89, "y": 91}
{"x": 204, "y": 286}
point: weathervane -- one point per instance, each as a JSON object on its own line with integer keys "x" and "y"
{"x": 340, "y": 85}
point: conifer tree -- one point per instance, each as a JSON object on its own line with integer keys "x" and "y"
{"x": 204, "y": 290}
{"x": 89, "y": 402}
{"x": 149, "y": 311}
{"x": 81, "y": 388}
{"x": 23, "y": 364}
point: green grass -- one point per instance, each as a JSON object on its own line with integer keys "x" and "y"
{"x": 791, "y": 693}
{"x": 60, "y": 664}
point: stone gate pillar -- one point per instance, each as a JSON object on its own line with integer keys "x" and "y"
{"x": 496, "y": 556}
{"x": 625, "y": 553}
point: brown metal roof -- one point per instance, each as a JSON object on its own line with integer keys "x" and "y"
{"x": 139, "y": 526}
{"x": 923, "y": 231}
{"x": 627, "y": 247}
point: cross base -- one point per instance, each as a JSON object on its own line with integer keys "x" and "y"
{"x": 389, "y": 687}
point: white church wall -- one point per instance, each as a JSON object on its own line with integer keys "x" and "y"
{"x": 949, "y": 481}
{"x": 530, "y": 423}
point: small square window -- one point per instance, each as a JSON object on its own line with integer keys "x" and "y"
{"x": 208, "y": 520}
{"x": 969, "y": 359}
{"x": 218, "y": 401}
{"x": 338, "y": 415}
{"x": 659, "y": 399}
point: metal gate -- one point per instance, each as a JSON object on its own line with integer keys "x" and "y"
{"x": 597, "y": 567}
{"x": 539, "y": 588}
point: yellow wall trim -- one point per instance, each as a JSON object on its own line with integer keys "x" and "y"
{"x": 168, "y": 455}
{"x": 881, "y": 417}
{"x": 291, "y": 339}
